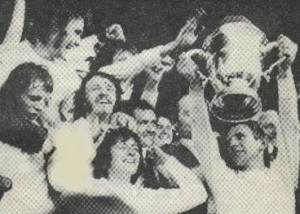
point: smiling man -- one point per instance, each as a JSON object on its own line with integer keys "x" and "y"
{"x": 146, "y": 120}
{"x": 250, "y": 177}
{"x": 145, "y": 117}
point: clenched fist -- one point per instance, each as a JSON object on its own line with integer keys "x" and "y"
{"x": 187, "y": 67}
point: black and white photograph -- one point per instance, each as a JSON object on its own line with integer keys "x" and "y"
{"x": 149, "y": 106}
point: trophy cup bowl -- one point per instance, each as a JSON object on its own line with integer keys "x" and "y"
{"x": 235, "y": 70}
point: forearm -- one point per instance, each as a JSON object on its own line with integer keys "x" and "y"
{"x": 15, "y": 30}
{"x": 288, "y": 103}
{"x": 133, "y": 65}
{"x": 140, "y": 62}
{"x": 150, "y": 94}
{"x": 184, "y": 177}
{"x": 288, "y": 143}
{"x": 73, "y": 182}
{"x": 125, "y": 69}
{"x": 171, "y": 48}
{"x": 203, "y": 138}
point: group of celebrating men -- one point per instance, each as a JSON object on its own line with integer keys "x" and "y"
{"x": 90, "y": 125}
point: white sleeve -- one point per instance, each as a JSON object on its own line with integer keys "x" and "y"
{"x": 150, "y": 95}
{"x": 205, "y": 144}
{"x": 69, "y": 167}
{"x": 14, "y": 33}
{"x": 133, "y": 65}
{"x": 26, "y": 178}
{"x": 288, "y": 132}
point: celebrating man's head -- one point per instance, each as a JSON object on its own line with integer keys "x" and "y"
{"x": 165, "y": 131}
{"x": 26, "y": 93}
{"x": 58, "y": 31}
{"x": 119, "y": 156}
{"x": 247, "y": 145}
{"x": 97, "y": 95}
{"x": 146, "y": 118}
{"x": 81, "y": 58}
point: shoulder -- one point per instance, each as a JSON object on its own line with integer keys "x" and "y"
{"x": 78, "y": 125}
{"x": 71, "y": 132}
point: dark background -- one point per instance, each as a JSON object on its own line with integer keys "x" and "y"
{"x": 152, "y": 22}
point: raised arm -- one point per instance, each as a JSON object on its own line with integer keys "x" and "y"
{"x": 288, "y": 143}
{"x": 205, "y": 146}
{"x": 14, "y": 33}
{"x": 70, "y": 180}
{"x": 150, "y": 92}
{"x": 187, "y": 35}
{"x": 190, "y": 193}
{"x": 147, "y": 58}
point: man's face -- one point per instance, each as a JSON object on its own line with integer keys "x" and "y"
{"x": 80, "y": 58}
{"x": 242, "y": 145}
{"x": 101, "y": 95}
{"x": 35, "y": 99}
{"x": 125, "y": 156}
{"x": 146, "y": 120}
{"x": 164, "y": 131}
{"x": 72, "y": 37}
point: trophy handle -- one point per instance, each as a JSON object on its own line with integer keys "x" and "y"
{"x": 265, "y": 50}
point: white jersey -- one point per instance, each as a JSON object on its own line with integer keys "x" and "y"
{"x": 70, "y": 166}
{"x": 27, "y": 177}
{"x": 258, "y": 191}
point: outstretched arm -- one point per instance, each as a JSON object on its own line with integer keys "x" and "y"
{"x": 186, "y": 37}
{"x": 134, "y": 64}
{"x": 204, "y": 140}
{"x": 190, "y": 193}
{"x": 78, "y": 180}
{"x": 288, "y": 142}
{"x": 147, "y": 58}
{"x": 14, "y": 33}
{"x": 150, "y": 92}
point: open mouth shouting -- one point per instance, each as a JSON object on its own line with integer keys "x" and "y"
{"x": 102, "y": 99}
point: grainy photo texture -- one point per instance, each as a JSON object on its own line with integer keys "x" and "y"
{"x": 149, "y": 106}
